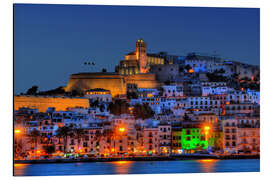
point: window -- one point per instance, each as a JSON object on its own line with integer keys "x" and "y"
{"x": 72, "y": 142}
{"x": 202, "y": 145}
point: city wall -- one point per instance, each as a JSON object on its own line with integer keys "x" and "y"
{"x": 116, "y": 83}
{"x": 86, "y": 81}
{"x": 43, "y": 103}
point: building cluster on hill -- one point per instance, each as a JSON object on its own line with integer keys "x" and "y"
{"x": 153, "y": 105}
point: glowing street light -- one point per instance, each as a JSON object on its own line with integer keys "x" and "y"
{"x": 206, "y": 128}
{"x": 17, "y": 131}
{"x": 122, "y": 129}
{"x": 206, "y": 131}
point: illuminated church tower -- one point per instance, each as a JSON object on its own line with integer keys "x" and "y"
{"x": 138, "y": 62}
{"x": 141, "y": 55}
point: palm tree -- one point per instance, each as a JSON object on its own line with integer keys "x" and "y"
{"x": 49, "y": 149}
{"x": 64, "y": 132}
{"x": 78, "y": 134}
{"x": 34, "y": 135}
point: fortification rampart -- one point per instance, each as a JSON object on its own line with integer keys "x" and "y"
{"x": 43, "y": 103}
{"x": 114, "y": 82}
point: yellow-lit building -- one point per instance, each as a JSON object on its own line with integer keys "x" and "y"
{"x": 133, "y": 71}
{"x": 99, "y": 94}
{"x": 117, "y": 84}
{"x": 42, "y": 103}
{"x": 138, "y": 61}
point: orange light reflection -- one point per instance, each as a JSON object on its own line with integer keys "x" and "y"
{"x": 20, "y": 165}
{"x": 121, "y": 162}
{"x": 208, "y": 165}
{"x": 122, "y": 167}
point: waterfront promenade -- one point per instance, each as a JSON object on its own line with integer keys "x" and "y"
{"x": 149, "y": 158}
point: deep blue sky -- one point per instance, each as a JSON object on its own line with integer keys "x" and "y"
{"x": 52, "y": 41}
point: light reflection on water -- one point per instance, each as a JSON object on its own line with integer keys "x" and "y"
{"x": 122, "y": 167}
{"x": 138, "y": 167}
{"x": 20, "y": 169}
{"x": 208, "y": 165}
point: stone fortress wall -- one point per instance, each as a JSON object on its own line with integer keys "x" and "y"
{"x": 86, "y": 81}
{"x": 42, "y": 103}
{"x": 116, "y": 83}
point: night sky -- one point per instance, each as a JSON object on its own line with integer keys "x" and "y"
{"x": 53, "y": 41}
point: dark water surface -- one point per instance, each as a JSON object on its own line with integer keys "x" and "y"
{"x": 138, "y": 167}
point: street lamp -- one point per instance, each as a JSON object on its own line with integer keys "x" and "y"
{"x": 206, "y": 128}
{"x": 206, "y": 131}
{"x": 17, "y": 142}
{"x": 17, "y": 131}
{"x": 122, "y": 129}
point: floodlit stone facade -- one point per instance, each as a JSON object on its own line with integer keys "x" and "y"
{"x": 42, "y": 103}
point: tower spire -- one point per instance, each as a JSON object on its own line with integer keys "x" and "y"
{"x": 141, "y": 55}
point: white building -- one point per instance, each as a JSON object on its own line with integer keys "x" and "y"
{"x": 202, "y": 102}
{"x": 209, "y": 88}
{"x": 151, "y": 140}
{"x": 173, "y": 91}
{"x": 99, "y": 94}
{"x": 244, "y": 96}
{"x": 147, "y": 92}
{"x": 156, "y": 103}
{"x": 254, "y": 96}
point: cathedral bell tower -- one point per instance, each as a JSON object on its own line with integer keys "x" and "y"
{"x": 141, "y": 55}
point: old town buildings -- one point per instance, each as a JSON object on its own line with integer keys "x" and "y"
{"x": 153, "y": 105}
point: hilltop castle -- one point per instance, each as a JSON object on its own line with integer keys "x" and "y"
{"x": 138, "y": 61}
{"x": 132, "y": 72}
{"x": 140, "y": 69}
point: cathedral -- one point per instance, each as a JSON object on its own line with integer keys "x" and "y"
{"x": 132, "y": 72}
{"x": 138, "y": 61}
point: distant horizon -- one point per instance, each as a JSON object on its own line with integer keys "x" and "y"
{"x": 52, "y": 42}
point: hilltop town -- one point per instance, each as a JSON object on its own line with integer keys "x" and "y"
{"x": 153, "y": 104}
